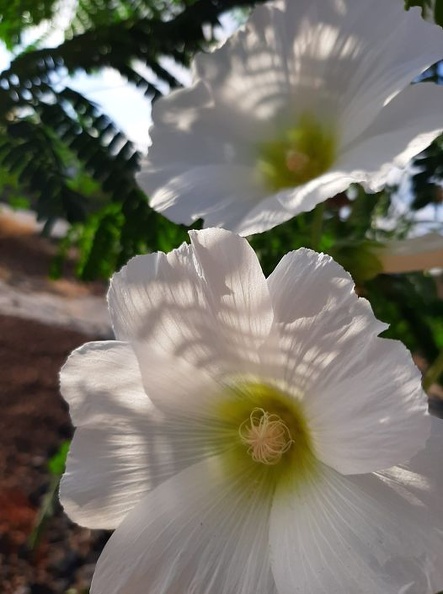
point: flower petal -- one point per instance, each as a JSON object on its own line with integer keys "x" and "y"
{"x": 356, "y": 534}
{"x": 195, "y": 318}
{"x": 250, "y": 73}
{"x": 207, "y": 304}
{"x": 101, "y": 382}
{"x": 305, "y": 283}
{"x": 393, "y": 49}
{"x": 202, "y": 531}
{"x": 239, "y": 293}
{"x": 315, "y": 306}
{"x": 374, "y": 415}
{"x": 189, "y": 114}
{"x": 361, "y": 394}
{"x": 294, "y": 201}
{"x": 221, "y": 194}
{"x": 328, "y": 57}
{"x": 123, "y": 446}
{"x": 201, "y": 137}
{"x": 405, "y": 127}
{"x": 422, "y": 477}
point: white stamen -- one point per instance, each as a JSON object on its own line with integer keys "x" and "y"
{"x": 266, "y": 435}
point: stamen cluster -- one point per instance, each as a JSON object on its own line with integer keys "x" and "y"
{"x": 267, "y": 436}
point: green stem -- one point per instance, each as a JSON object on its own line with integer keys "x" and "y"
{"x": 46, "y": 510}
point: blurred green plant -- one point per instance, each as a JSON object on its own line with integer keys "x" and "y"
{"x": 431, "y": 8}
{"x": 56, "y": 467}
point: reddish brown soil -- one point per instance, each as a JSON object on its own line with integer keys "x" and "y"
{"x": 34, "y": 421}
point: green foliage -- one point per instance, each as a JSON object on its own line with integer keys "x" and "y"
{"x": 56, "y": 464}
{"x": 428, "y": 179}
{"x": 56, "y": 467}
{"x": 430, "y": 8}
{"x": 410, "y": 304}
{"x": 16, "y": 16}
{"x": 438, "y": 12}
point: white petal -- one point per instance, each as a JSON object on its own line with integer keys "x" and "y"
{"x": 306, "y": 197}
{"x": 393, "y": 51}
{"x": 305, "y": 283}
{"x": 422, "y": 476}
{"x": 101, "y": 382}
{"x": 361, "y": 394}
{"x": 406, "y": 126}
{"x": 188, "y": 114}
{"x": 239, "y": 294}
{"x": 250, "y": 71}
{"x": 186, "y": 120}
{"x": 335, "y": 58}
{"x": 374, "y": 411}
{"x": 122, "y": 446}
{"x": 207, "y": 304}
{"x": 272, "y": 210}
{"x": 354, "y": 534}
{"x": 221, "y": 194}
{"x": 200, "y": 136}
{"x": 203, "y": 532}
{"x": 195, "y": 317}
{"x": 230, "y": 196}
{"x": 315, "y": 306}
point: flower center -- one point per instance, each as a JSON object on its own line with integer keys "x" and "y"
{"x": 265, "y": 433}
{"x": 299, "y": 155}
{"x": 267, "y": 436}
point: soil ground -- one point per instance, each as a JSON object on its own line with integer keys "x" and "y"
{"x": 34, "y": 422}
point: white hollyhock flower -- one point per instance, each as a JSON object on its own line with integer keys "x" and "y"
{"x": 310, "y": 97}
{"x": 247, "y": 435}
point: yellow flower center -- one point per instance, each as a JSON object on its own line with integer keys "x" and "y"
{"x": 267, "y": 436}
{"x": 265, "y": 433}
{"x": 299, "y": 155}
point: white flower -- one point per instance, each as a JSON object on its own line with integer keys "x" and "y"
{"x": 241, "y": 434}
{"x": 310, "y": 97}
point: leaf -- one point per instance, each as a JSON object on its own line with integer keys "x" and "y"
{"x": 438, "y": 12}
{"x": 57, "y": 463}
